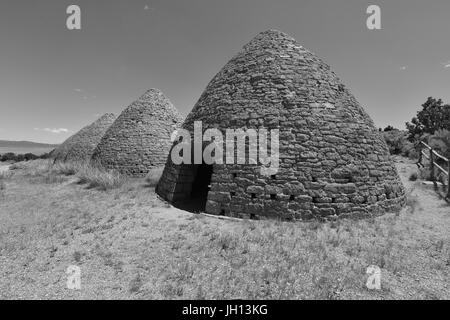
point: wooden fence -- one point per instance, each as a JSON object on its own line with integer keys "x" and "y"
{"x": 432, "y": 156}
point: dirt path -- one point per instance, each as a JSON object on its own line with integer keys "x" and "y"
{"x": 434, "y": 211}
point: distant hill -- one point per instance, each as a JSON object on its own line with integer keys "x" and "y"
{"x": 25, "y": 144}
{"x": 19, "y": 147}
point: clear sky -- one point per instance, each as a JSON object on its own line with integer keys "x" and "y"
{"x": 54, "y": 81}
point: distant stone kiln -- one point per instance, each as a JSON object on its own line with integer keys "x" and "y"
{"x": 140, "y": 137}
{"x": 333, "y": 162}
{"x": 81, "y": 145}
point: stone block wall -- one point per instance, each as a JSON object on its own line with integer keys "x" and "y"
{"x": 140, "y": 137}
{"x": 333, "y": 162}
{"x": 81, "y": 145}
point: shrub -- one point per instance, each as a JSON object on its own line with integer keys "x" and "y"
{"x": 398, "y": 143}
{"x": 433, "y": 116}
{"x": 30, "y": 156}
{"x": 154, "y": 175}
{"x": 45, "y": 155}
{"x": 440, "y": 141}
{"x": 425, "y": 174}
{"x": 9, "y": 157}
{"x": 412, "y": 153}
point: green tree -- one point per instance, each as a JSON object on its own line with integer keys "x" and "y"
{"x": 434, "y": 116}
{"x": 440, "y": 141}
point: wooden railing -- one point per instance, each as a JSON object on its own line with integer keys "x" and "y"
{"x": 432, "y": 156}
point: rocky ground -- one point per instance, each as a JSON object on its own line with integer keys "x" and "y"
{"x": 129, "y": 244}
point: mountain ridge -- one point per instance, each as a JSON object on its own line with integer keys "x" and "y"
{"x": 25, "y": 144}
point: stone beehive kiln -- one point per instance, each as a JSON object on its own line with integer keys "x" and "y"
{"x": 81, "y": 145}
{"x": 140, "y": 137}
{"x": 333, "y": 162}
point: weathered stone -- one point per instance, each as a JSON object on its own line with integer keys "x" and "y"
{"x": 304, "y": 198}
{"x": 139, "y": 139}
{"x": 81, "y": 145}
{"x": 323, "y": 200}
{"x": 332, "y": 158}
{"x": 255, "y": 190}
{"x": 338, "y": 188}
{"x": 213, "y": 207}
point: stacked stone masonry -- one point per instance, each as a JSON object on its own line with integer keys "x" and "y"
{"x": 140, "y": 137}
{"x": 80, "y": 146}
{"x": 333, "y": 162}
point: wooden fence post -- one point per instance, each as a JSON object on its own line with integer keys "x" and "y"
{"x": 432, "y": 176}
{"x": 448, "y": 181}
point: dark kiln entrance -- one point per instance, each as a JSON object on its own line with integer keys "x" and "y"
{"x": 195, "y": 199}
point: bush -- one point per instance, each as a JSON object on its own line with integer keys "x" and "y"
{"x": 153, "y": 176}
{"x": 20, "y": 158}
{"x": 12, "y": 157}
{"x": 9, "y": 157}
{"x": 440, "y": 141}
{"x": 45, "y": 155}
{"x": 30, "y": 156}
{"x": 425, "y": 174}
{"x": 399, "y": 144}
{"x": 412, "y": 153}
{"x": 433, "y": 116}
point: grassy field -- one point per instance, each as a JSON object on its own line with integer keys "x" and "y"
{"x": 131, "y": 245}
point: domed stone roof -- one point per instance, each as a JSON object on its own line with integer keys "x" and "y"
{"x": 81, "y": 145}
{"x": 333, "y": 161}
{"x": 139, "y": 139}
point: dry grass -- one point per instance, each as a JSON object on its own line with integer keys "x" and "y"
{"x": 4, "y": 176}
{"x": 17, "y": 166}
{"x": 129, "y": 245}
{"x": 46, "y": 171}
{"x": 67, "y": 168}
{"x": 99, "y": 178}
